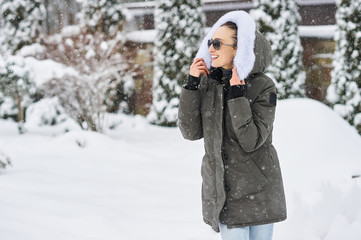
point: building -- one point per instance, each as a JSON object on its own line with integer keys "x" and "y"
{"x": 316, "y": 29}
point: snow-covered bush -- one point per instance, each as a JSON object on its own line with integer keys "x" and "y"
{"x": 179, "y": 30}
{"x": 344, "y": 93}
{"x": 35, "y": 50}
{"x": 4, "y": 161}
{"x": 101, "y": 75}
{"x": 94, "y": 50}
{"x": 20, "y": 23}
{"x": 82, "y": 98}
{"x": 278, "y": 21}
{"x": 49, "y": 115}
{"x": 47, "y": 111}
{"x": 7, "y": 107}
{"x": 17, "y": 84}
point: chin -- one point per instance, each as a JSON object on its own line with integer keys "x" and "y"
{"x": 215, "y": 65}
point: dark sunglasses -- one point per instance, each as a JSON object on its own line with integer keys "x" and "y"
{"x": 217, "y": 44}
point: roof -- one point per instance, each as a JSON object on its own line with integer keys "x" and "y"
{"x": 321, "y": 31}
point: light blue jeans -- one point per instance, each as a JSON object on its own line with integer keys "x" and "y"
{"x": 259, "y": 232}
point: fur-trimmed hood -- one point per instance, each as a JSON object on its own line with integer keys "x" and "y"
{"x": 253, "y": 53}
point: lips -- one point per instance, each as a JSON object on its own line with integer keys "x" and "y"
{"x": 214, "y": 57}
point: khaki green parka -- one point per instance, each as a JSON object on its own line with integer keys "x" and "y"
{"x": 242, "y": 182}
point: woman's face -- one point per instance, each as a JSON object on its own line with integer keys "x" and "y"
{"x": 223, "y": 57}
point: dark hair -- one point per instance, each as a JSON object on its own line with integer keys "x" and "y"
{"x": 233, "y": 26}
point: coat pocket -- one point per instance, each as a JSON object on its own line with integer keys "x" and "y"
{"x": 246, "y": 180}
{"x": 260, "y": 178}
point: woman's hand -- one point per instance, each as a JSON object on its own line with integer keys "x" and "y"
{"x": 198, "y": 67}
{"x": 235, "y": 79}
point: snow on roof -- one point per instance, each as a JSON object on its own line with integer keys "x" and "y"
{"x": 151, "y": 4}
{"x": 320, "y": 31}
{"x": 142, "y": 36}
{"x": 140, "y": 8}
{"x": 315, "y": 2}
{"x": 227, "y": 6}
{"x": 147, "y": 7}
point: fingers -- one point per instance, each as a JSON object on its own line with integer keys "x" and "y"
{"x": 202, "y": 65}
{"x": 197, "y": 60}
{"x": 198, "y": 65}
{"x": 235, "y": 74}
{"x": 198, "y": 71}
{"x": 234, "y": 71}
{"x": 203, "y": 70}
{"x": 235, "y": 78}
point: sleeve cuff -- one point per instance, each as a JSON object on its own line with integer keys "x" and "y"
{"x": 237, "y": 91}
{"x": 193, "y": 82}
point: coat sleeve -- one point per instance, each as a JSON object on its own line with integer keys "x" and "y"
{"x": 252, "y": 124}
{"x": 189, "y": 114}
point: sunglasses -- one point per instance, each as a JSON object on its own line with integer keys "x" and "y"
{"x": 217, "y": 44}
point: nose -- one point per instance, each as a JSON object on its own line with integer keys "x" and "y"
{"x": 211, "y": 48}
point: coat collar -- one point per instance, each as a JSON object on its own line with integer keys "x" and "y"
{"x": 221, "y": 75}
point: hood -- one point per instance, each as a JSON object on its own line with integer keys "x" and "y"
{"x": 253, "y": 53}
{"x": 263, "y": 52}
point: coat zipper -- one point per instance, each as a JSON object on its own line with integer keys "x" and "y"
{"x": 222, "y": 136}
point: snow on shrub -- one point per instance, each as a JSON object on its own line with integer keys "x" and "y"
{"x": 7, "y": 107}
{"x": 20, "y": 22}
{"x": 179, "y": 26}
{"x": 94, "y": 50}
{"x": 278, "y": 21}
{"x": 47, "y": 111}
{"x": 344, "y": 93}
{"x": 82, "y": 98}
{"x": 17, "y": 84}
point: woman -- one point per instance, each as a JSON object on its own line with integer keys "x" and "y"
{"x": 231, "y": 103}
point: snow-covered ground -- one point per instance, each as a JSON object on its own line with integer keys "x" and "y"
{"x": 142, "y": 182}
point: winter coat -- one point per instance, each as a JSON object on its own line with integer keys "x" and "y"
{"x": 241, "y": 176}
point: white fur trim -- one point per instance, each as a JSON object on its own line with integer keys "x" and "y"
{"x": 246, "y": 34}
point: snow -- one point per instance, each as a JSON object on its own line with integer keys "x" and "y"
{"x": 168, "y": 78}
{"x": 142, "y": 36}
{"x": 20, "y": 23}
{"x": 282, "y": 19}
{"x": 41, "y": 70}
{"x": 45, "y": 70}
{"x": 31, "y": 50}
{"x": 139, "y": 181}
{"x": 344, "y": 93}
{"x": 317, "y": 31}
{"x": 49, "y": 112}
{"x": 313, "y": 2}
{"x": 142, "y": 8}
